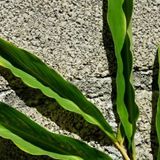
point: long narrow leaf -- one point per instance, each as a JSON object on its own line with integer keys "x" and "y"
{"x": 32, "y": 138}
{"x": 119, "y": 20}
{"x": 158, "y": 108}
{"x": 36, "y": 74}
{"x": 128, "y": 62}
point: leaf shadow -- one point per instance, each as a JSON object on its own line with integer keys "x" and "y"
{"x": 109, "y": 48}
{"x": 65, "y": 120}
{"x": 10, "y": 152}
{"x": 155, "y": 94}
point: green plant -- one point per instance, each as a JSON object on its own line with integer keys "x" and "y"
{"x": 119, "y": 20}
{"x": 36, "y": 74}
{"x": 158, "y": 108}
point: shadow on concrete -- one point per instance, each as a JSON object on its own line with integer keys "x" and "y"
{"x": 66, "y": 120}
{"x": 10, "y": 152}
{"x": 48, "y": 107}
{"x": 109, "y": 48}
{"x": 155, "y": 94}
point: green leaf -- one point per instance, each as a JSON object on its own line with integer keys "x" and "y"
{"x": 36, "y": 74}
{"x": 128, "y": 62}
{"x": 33, "y": 139}
{"x": 119, "y": 20}
{"x": 158, "y": 108}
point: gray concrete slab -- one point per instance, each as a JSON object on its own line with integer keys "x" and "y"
{"x": 69, "y": 35}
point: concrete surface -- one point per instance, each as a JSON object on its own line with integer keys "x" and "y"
{"x": 69, "y": 36}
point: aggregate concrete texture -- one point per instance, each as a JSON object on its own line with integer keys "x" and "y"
{"x": 69, "y": 36}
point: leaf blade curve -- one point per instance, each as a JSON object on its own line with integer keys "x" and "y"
{"x": 33, "y": 139}
{"x": 36, "y": 74}
{"x": 127, "y": 57}
{"x": 119, "y": 20}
